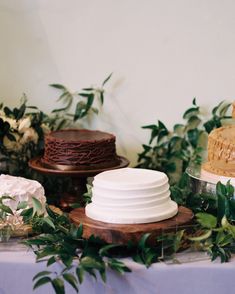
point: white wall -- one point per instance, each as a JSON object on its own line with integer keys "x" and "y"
{"x": 162, "y": 53}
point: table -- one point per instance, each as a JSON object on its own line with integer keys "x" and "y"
{"x": 17, "y": 269}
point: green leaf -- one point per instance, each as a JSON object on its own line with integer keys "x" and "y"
{"x": 59, "y": 109}
{"x": 107, "y": 79}
{"x": 80, "y": 274}
{"x": 41, "y": 274}
{"x": 214, "y": 110}
{"x": 75, "y": 205}
{"x": 58, "y": 86}
{"x": 142, "y": 242}
{"x": 193, "y": 122}
{"x": 63, "y": 95}
{"x": 27, "y": 212}
{"x": 49, "y": 222}
{"x": 104, "y": 251}
{"x": 179, "y": 129}
{"x": 37, "y": 206}
{"x": 41, "y": 282}
{"x": 206, "y": 220}
{"x": 193, "y": 136}
{"x": 22, "y": 205}
{"x": 58, "y": 285}
{"x": 190, "y": 112}
{"x": 90, "y": 263}
{"x": 202, "y": 237}
{"x": 6, "y": 209}
{"x": 71, "y": 280}
{"x": 118, "y": 266}
{"x": 102, "y": 98}
{"x": 51, "y": 260}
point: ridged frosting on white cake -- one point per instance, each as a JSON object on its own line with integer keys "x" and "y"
{"x": 130, "y": 196}
{"x": 20, "y": 189}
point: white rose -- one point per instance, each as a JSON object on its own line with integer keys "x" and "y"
{"x": 24, "y": 124}
{"x": 30, "y": 135}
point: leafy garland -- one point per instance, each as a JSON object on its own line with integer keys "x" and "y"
{"x": 59, "y": 239}
{"x": 171, "y": 152}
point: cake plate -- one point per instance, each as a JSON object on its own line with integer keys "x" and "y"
{"x": 200, "y": 185}
{"x": 123, "y": 233}
{"x": 78, "y": 177}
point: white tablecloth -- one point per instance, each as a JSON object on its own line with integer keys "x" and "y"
{"x": 17, "y": 269}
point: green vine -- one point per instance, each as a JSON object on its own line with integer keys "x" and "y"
{"x": 169, "y": 151}
{"x": 59, "y": 239}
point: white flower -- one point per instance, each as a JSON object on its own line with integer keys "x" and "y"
{"x": 30, "y": 135}
{"x": 12, "y": 145}
{"x": 24, "y": 124}
{"x": 12, "y": 122}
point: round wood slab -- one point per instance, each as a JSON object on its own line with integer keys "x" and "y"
{"x": 122, "y": 233}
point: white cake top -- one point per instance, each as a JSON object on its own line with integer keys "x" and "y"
{"x": 130, "y": 178}
{"x": 20, "y": 189}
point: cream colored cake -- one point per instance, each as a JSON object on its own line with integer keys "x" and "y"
{"x": 221, "y": 152}
{"x": 131, "y": 196}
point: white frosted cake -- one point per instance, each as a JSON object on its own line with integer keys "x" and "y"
{"x": 20, "y": 189}
{"x": 131, "y": 196}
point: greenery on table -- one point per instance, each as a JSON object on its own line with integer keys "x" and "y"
{"x": 60, "y": 240}
{"x": 169, "y": 151}
{"x": 173, "y": 151}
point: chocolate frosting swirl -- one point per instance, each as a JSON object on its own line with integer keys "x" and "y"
{"x": 80, "y": 149}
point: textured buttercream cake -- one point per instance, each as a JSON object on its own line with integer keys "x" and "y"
{"x": 221, "y": 155}
{"x": 80, "y": 149}
{"x": 131, "y": 196}
{"x": 20, "y": 189}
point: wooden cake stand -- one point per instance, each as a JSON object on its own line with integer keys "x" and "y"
{"x": 123, "y": 233}
{"x": 79, "y": 178}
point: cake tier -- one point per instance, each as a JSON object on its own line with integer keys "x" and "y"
{"x": 82, "y": 149}
{"x": 131, "y": 195}
{"x": 220, "y": 167}
{"x": 221, "y": 144}
{"x": 215, "y": 178}
{"x": 132, "y": 215}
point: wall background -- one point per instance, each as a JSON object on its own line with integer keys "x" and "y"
{"x": 162, "y": 53}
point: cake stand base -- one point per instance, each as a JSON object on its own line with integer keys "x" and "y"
{"x": 78, "y": 177}
{"x": 123, "y": 233}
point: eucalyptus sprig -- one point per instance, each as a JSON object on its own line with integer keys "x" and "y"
{"x": 84, "y": 103}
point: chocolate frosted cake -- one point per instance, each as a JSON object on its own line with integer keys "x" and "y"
{"x": 80, "y": 149}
